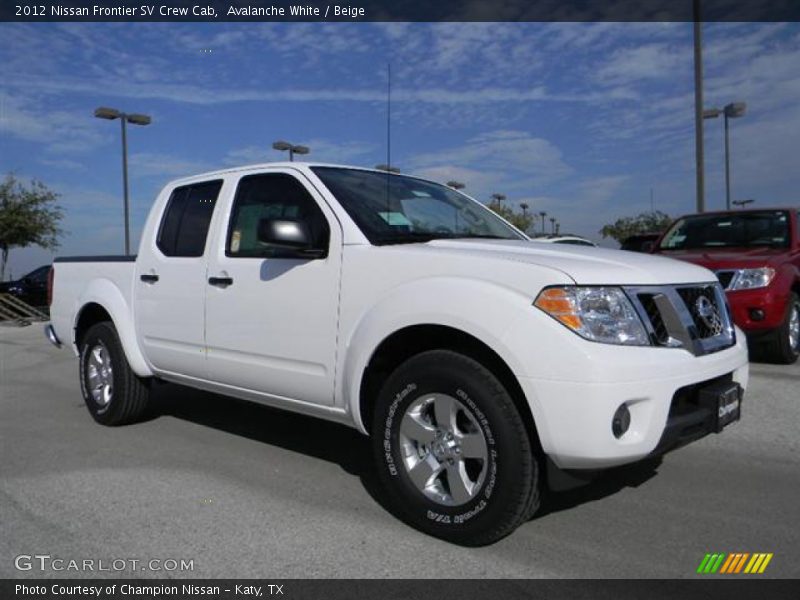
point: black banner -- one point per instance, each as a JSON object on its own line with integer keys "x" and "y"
{"x": 397, "y": 10}
{"x": 399, "y": 589}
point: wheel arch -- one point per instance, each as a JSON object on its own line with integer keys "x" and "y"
{"x": 411, "y": 340}
{"x": 104, "y": 302}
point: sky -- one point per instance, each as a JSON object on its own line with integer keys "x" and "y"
{"x": 587, "y": 122}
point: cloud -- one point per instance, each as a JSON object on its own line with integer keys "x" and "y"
{"x": 536, "y": 159}
{"x": 322, "y": 150}
{"x": 61, "y": 131}
{"x": 473, "y": 179}
{"x": 154, "y": 164}
{"x": 649, "y": 61}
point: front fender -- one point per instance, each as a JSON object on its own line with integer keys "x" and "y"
{"x": 450, "y": 302}
{"x": 105, "y": 293}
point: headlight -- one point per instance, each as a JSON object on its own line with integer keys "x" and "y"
{"x": 749, "y": 279}
{"x": 600, "y": 314}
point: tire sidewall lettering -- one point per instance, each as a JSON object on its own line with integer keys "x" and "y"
{"x": 440, "y": 514}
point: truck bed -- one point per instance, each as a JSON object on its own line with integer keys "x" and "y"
{"x": 83, "y": 279}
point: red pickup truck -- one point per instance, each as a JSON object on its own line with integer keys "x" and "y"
{"x": 756, "y": 256}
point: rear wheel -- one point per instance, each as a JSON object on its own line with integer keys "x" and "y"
{"x": 453, "y": 451}
{"x": 784, "y": 345}
{"x": 113, "y": 393}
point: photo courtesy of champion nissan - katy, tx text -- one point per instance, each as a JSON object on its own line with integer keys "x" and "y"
{"x": 481, "y": 364}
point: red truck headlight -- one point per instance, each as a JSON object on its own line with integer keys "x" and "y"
{"x": 750, "y": 279}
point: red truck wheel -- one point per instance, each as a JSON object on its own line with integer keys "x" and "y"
{"x": 784, "y": 347}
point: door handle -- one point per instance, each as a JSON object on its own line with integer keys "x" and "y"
{"x": 220, "y": 281}
{"x": 149, "y": 278}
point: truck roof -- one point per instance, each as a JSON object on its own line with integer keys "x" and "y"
{"x": 285, "y": 164}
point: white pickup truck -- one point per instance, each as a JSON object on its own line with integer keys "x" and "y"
{"x": 475, "y": 359}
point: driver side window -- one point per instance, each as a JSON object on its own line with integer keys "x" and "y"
{"x": 272, "y": 196}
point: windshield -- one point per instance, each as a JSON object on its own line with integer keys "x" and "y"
{"x": 746, "y": 229}
{"x": 394, "y": 209}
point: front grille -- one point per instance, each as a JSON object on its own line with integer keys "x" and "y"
{"x": 656, "y": 320}
{"x": 725, "y": 278}
{"x": 706, "y": 313}
{"x": 692, "y": 317}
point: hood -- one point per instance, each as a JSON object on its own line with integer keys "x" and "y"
{"x": 584, "y": 265}
{"x": 730, "y": 258}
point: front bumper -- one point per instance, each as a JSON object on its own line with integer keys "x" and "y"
{"x": 50, "y": 334}
{"x": 573, "y": 418}
{"x": 758, "y": 311}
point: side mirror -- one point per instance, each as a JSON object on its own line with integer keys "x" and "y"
{"x": 284, "y": 232}
{"x": 288, "y": 234}
{"x": 648, "y": 247}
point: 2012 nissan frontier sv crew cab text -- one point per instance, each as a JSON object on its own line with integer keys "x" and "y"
{"x": 475, "y": 360}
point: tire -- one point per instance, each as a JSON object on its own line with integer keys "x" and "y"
{"x": 783, "y": 347}
{"x": 115, "y": 397}
{"x": 442, "y": 415}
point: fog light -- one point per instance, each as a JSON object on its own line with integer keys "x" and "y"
{"x": 756, "y": 314}
{"x": 621, "y": 421}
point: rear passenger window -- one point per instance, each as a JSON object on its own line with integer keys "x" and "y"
{"x": 184, "y": 227}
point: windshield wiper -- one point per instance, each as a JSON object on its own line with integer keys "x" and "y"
{"x": 480, "y": 236}
{"x": 418, "y": 237}
{"x": 408, "y": 238}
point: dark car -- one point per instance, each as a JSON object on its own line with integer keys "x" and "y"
{"x": 32, "y": 288}
{"x": 642, "y": 242}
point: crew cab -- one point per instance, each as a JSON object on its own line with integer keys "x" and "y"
{"x": 477, "y": 362}
{"x": 755, "y": 254}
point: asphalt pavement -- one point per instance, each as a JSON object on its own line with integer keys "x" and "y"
{"x": 246, "y": 491}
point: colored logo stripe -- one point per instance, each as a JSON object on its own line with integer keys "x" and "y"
{"x": 734, "y": 563}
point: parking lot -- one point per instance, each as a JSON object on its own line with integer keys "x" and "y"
{"x": 246, "y": 491}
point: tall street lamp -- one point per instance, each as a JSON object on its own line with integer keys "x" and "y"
{"x": 698, "y": 106}
{"x": 387, "y": 168}
{"x": 734, "y": 110}
{"x": 525, "y": 206}
{"x": 293, "y": 149}
{"x": 135, "y": 119}
{"x": 743, "y": 203}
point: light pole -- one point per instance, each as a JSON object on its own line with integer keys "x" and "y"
{"x": 698, "y": 106}
{"x": 525, "y": 206}
{"x": 734, "y": 110}
{"x": 387, "y": 168}
{"x": 456, "y": 185}
{"x": 543, "y": 215}
{"x": 293, "y": 149}
{"x": 743, "y": 203}
{"x": 135, "y": 119}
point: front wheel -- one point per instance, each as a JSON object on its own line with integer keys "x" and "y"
{"x": 784, "y": 345}
{"x": 113, "y": 393}
{"x": 452, "y": 450}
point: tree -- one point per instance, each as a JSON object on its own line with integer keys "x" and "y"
{"x": 646, "y": 222}
{"x": 29, "y": 216}
{"x": 521, "y": 220}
